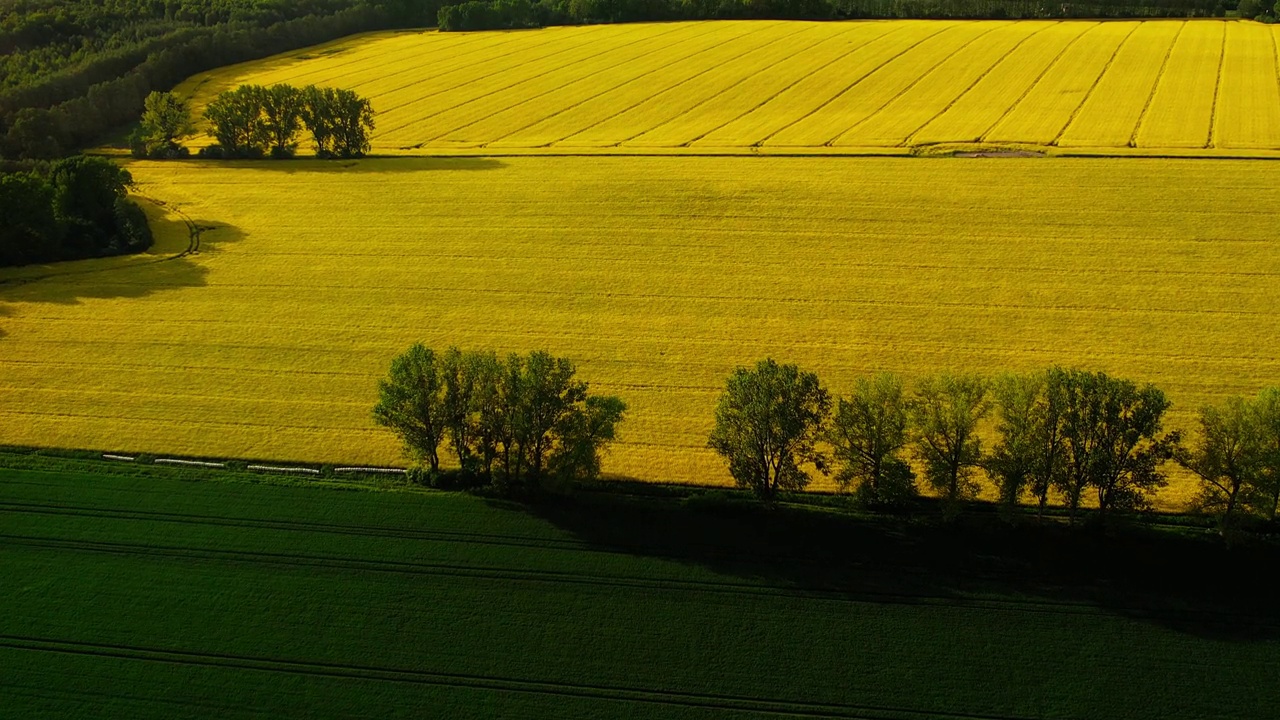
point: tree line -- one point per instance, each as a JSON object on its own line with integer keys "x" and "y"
{"x": 253, "y": 121}
{"x": 1063, "y": 436}
{"x": 503, "y": 14}
{"x": 520, "y": 424}
{"x": 74, "y": 208}
{"x": 50, "y": 107}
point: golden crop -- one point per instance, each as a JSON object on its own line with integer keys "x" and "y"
{"x": 657, "y": 275}
{"x": 1154, "y": 87}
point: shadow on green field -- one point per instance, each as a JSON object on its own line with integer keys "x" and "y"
{"x": 171, "y": 263}
{"x": 1176, "y": 579}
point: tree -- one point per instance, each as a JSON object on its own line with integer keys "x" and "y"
{"x": 86, "y": 194}
{"x": 1266, "y": 496}
{"x": 30, "y": 232}
{"x": 237, "y": 123}
{"x": 1249, "y": 9}
{"x": 1227, "y": 458}
{"x": 1027, "y": 455}
{"x": 768, "y": 422}
{"x": 282, "y": 110}
{"x": 412, "y": 404}
{"x": 1111, "y": 441}
{"x": 867, "y": 435}
{"x": 583, "y": 438}
{"x": 340, "y": 122}
{"x": 166, "y": 121}
{"x": 353, "y": 123}
{"x": 525, "y": 423}
{"x": 946, "y": 414}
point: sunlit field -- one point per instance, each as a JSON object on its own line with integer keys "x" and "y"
{"x": 656, "y": 274}
{"x": 1155, "y": 87}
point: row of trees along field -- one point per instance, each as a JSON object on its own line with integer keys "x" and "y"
{"x": 253, "y": 121}
{"x": 1064, "y": 436}
{"x": 523, "y": 424}
{"x": 492, "y": 14}
{"x": 73, "y": 208}
{"x": 1061, "y": 435}
{"x": 70, "y": 72}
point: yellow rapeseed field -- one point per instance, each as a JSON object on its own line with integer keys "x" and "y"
{"x": 656, "y": 274}
{"x": 1206, "y": 87}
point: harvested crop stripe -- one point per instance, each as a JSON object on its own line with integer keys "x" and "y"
{"x": 879, "y": 87}
{"x": 811, "y": 93}
{"x": 645, "y": 99}
{"x": 741, "y": 98}
{"x": 1182, "y": 107}
{"x": 1112, "y": 112}
{"x": 1248, "y": 114}
{"x": 914, "y": 108}
{"x": 981, "y": 108}
{"x": 643, "y": 110}
{"x": 1041, "y": 116}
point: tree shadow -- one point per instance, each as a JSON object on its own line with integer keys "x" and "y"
{"x": 172, "y": 262}
{"x": 1177, "y": 580}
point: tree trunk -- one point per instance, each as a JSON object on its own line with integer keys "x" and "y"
{"x": 1231, "y": 502}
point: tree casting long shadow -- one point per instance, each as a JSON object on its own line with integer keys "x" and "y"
{"x": 1175, "y": 579}
{"x": 171, "y": 263}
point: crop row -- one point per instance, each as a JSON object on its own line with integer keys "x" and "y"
{"x": 1158, "y": 84}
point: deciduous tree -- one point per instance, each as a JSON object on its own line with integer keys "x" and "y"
{"x": 867, "y": 436}
{"x": 166, "y": 122}
{"x": 282, "y": 110}
{"x": 1227, "y": 458}
{"x": 946, "y": 413}
{"x": 1111, "y": 441}
{"x": 412, "y": 403}
{"x": 237, "y": 124}
{"x": 768, "y": 422}
{"x": 1028, "y": 452}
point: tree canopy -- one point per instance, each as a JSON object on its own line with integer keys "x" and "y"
{"x": 525, "y": 424}
{"x": 77, "y": 208}
{"x": 768, "y": 422}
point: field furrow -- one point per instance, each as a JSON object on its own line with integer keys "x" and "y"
{"x": 754, "y": 91}
{"x": 620, "y": 107}
{"x": 1182, "y": 108}
{"x": 1113, "y": 110}
{"x": 915, "y": 107}
{"x": 425, "y": 111}
{"x": 674, "y": 63}
{"x": 977, "y": 111}
{"x": 1043, "y": 113}
{"x": 1248, "y": 114}
{"x": 753, "y": 86}
{"x": 634, "y": 125}
{"x": 879, "y": 87}
{"x": 554, "y": 86}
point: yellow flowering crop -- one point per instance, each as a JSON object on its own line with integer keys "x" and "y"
{"x": 1187, "y": 86}
{"x": 658, "y": 275}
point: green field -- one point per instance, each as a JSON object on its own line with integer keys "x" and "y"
{"x": 161, "y": 596}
